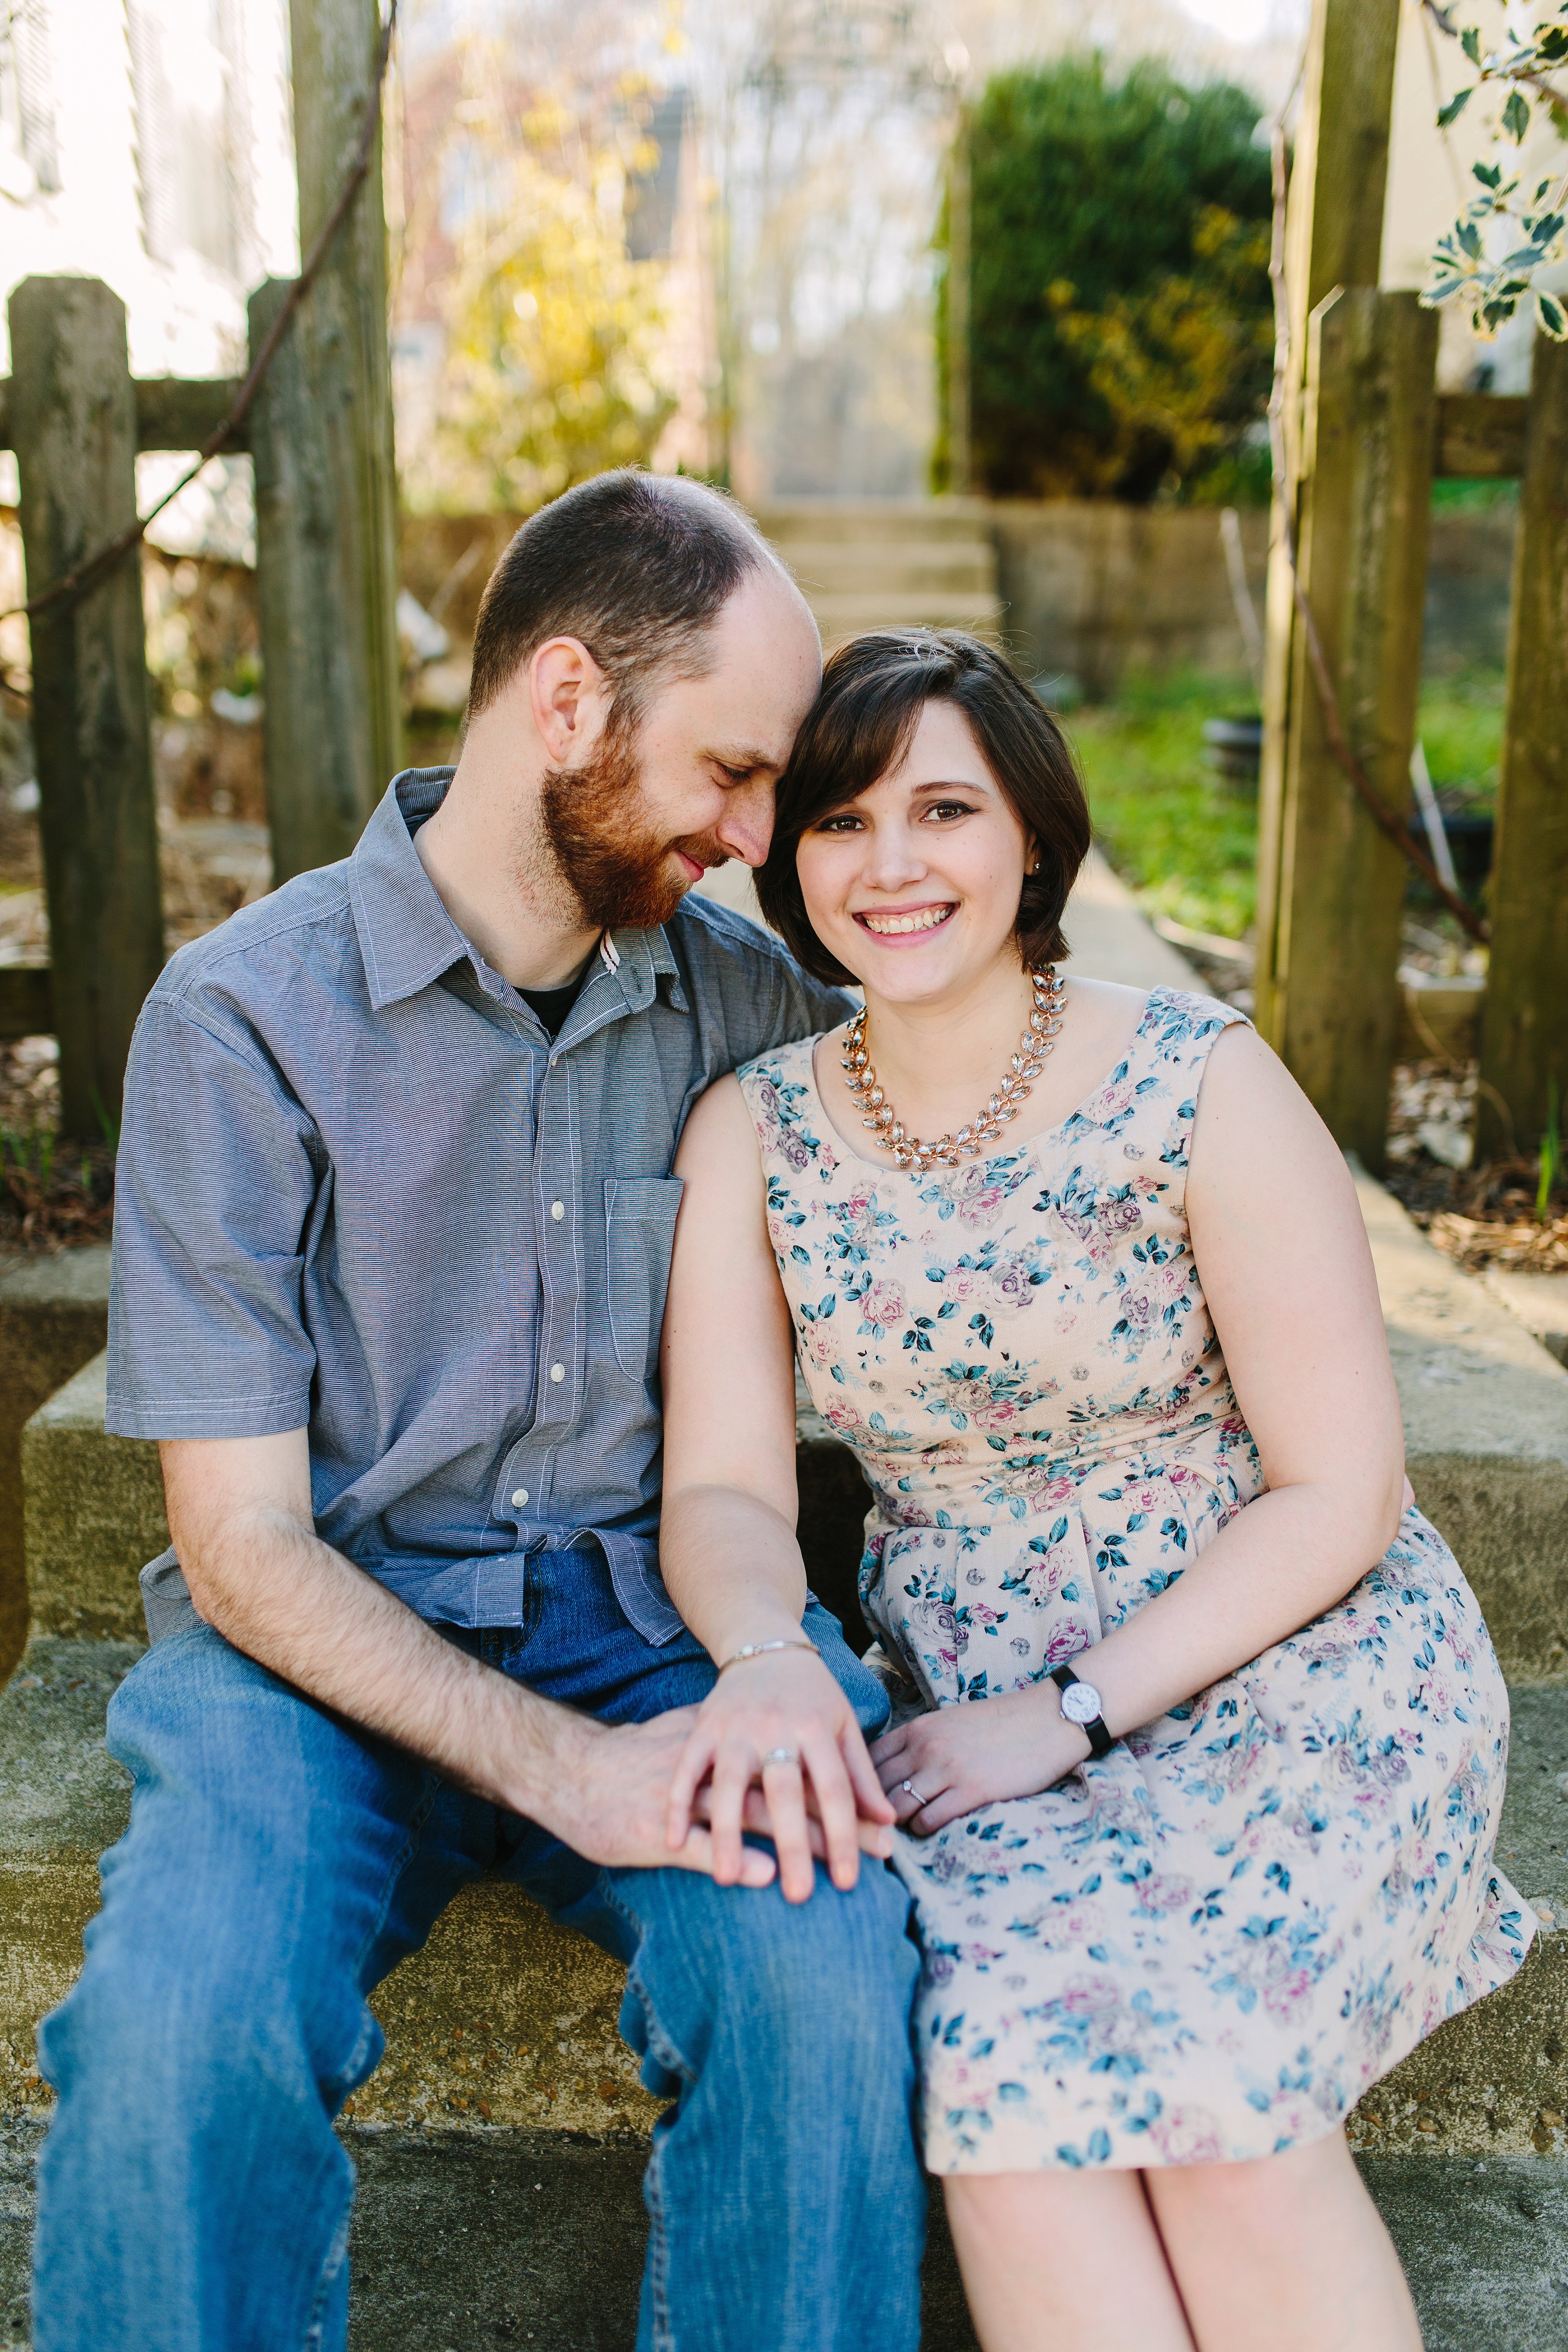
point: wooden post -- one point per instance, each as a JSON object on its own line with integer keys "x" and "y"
{"x": 73, "y": 427}
{"x": 1366, "y": 448}
{"x": 1524, "y": 1028}
{"x": 1333, "y": 238}
{"x": 960, "y": 298}
{"x": 325, "y": 486}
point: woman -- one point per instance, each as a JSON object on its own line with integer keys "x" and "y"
{"x": 1079, "y": 1275}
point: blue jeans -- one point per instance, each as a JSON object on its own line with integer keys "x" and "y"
{"x": 280, "y": 1862}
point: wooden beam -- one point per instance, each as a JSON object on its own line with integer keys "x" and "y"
{"x": 1480, "y": 437}
{"x": 1334, "y": 222}
{"x": 960, "y": 304}
{"x": 26, "y": 1000}
{"x": 74, "y": 425}
{"x": 173, "y": 412}
{"x": 325, "y": 505}
{"x": 1525, "y": 1023}
{"x": 176, "y": 412}
{"x": 1334, "y": 1004}
{"x": 1333, "y": 238}
{"x": 333, "y": 51}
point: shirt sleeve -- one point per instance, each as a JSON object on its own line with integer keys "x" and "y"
{"x": 795, "y": 1006}
{"x": 217, "y": 1181}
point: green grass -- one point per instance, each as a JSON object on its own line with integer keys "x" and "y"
{"x": 1186, "y": 842}
{"x": 1183, "y": 840}
{"x": 1460, "y": 723}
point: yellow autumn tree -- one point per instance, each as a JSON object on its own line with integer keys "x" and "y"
{"x": 553, "y": 368}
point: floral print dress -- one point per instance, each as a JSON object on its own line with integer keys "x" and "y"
{"x": 1206, "y": 1947}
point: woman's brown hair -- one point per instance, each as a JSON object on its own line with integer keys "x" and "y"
{"x": 873, "y": 691}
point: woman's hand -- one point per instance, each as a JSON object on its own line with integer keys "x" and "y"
{"x": 760, "y": 1712}
{"x": 944, "y": 1764}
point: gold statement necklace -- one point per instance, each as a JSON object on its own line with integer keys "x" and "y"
{"x": 909, "y": 1151}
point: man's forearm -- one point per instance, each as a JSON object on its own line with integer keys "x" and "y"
{"x": 291, "y": 1601}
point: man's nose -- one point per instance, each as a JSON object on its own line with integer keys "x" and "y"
{"x": 746, "y": 826}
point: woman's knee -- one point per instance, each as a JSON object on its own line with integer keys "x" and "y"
{"x": 1271, "y": 2200}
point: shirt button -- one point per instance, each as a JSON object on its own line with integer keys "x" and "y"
{"x": 557, "y": 1372}
{"x": 519, "y": 1499}
{"x": 558, "y": 1210}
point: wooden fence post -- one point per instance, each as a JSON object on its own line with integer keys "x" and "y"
{"x": 1333, "y": 238}
{"x": 325, "y": 484}
{"x": 1367, "y": 446}
{"x": 960, "y": 308}
{"x": 73, "y": 427}
{"x": 1524, "y": 1025}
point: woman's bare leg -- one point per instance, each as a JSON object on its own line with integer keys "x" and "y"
{"x": 1054, "y": 2259}
{"x": 1290, "y": 2250}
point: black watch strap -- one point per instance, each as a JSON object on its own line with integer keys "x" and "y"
{"x": 1100, "y": 1742}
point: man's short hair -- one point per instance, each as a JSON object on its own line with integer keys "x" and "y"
{"x": 637, "y": 566}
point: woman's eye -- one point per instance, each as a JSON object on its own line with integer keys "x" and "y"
{"x": 950, "y": 808}
{"x": 846, "y": 822}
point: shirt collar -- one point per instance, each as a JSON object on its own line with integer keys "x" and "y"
{"x": 409, "y": 940}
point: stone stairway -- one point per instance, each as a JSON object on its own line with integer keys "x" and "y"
{"x": 502, "y": 2140}
{"x": 886, "y": 562}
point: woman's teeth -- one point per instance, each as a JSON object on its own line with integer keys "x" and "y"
{"x": 927, "y": 919}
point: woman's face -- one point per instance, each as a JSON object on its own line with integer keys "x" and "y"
{"x": 914, "y": 886}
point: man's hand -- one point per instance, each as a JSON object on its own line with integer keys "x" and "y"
{"x": 240, "y": 1512}
{"x": 619, "y": 1801}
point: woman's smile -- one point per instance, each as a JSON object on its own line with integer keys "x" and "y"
{"x": 904, "y": 922}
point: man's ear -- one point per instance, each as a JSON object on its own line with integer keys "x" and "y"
{"x": 569, "y": 698}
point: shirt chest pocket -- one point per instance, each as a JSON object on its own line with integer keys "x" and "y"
{"x": 639, "y": 1237}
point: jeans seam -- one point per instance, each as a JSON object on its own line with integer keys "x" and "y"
{"x": 336, "y": 2255}
{"x": 658, "y": 2253}
{"x": 342, "y": 2077}
{"x": 660, "y": 2042}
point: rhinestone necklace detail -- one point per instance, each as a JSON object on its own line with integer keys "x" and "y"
{"x": 889, "y": 1131}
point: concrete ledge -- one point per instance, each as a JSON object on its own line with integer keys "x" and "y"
{"x": 94, "y": 1513}
{"x": 54, "y": 1315}
{"x": 1538, "y": 1301}
{"x": 504, "y": 2022}
{"x": 1485, "y": 1432}
{"x": 553, "y": 2228}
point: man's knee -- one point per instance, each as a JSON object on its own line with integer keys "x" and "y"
{"x": 829, "y": 1982}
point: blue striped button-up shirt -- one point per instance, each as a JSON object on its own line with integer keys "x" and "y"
{"x": 361, "y": 1192}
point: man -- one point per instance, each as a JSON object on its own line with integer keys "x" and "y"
{"x": 395, "y": 1217}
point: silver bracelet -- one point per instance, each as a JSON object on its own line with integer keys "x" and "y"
{"x": 760, "y": 1649}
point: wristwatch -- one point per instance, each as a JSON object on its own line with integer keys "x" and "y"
{"x": 1080, "y": 1704}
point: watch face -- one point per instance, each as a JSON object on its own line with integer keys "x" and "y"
{"x": 1080, "y": 1702}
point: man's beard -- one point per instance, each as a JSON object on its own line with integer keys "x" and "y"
{"x": 622, "y": 873}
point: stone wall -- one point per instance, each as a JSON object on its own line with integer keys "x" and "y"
{"x": 1093, "y": 590}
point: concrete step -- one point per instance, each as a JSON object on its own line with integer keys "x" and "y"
{"x": 1538, "y": 1301}
{"x": 884, "y": 521}
{"x": 841, "y": 616}
{"x": 54, "y": 1315}
{"x": 958, "y": 568}
{"x": 501, "y": 2143}
{"x": 501, "y": 2034}
{"x": 1485, "y": 1435}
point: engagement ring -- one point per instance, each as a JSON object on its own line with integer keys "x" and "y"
{"x": 910, "y": 1789}
{"x": 781, "y": 1756}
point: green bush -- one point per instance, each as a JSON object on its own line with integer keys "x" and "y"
{"x": 1120, "y": 317}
